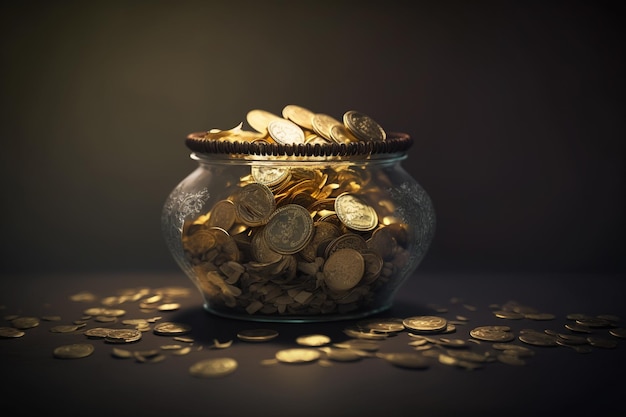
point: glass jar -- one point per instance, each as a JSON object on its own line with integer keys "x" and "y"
{"x": 302, "y": 232}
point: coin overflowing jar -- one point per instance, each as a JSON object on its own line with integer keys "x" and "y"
{"x": 298, "y": 217}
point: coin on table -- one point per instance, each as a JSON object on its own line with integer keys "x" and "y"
{"x": 299, "y": 115}
{"x": 213, "y": 368}
{"x": 540, "y": 316}
{"x": 313, "y": 340}
{"x": 65, "y": 328}
{"x": 618, "y": 332}
{"x": 382, "y": 325}
{"x": 343, "y": 354}
{"x": 259, "y": 119}
{"x": 122, "y": 336}
{"x": 74, "y": 351}
{"x": 289, "y": 229}
{"x": 254, "y": 203}
{"x": 492, "y": 333}
{"x": 297, "y": 355}
{"x": 322, "y": 123}
{"x": 257, "y": 335}
{"x": 23, "y": 323}
{"x": 602, "y": 342}
{"x": 363, "y": 126}
{"x": 538, "y": 339}
{"x": 97, "y": 332}
{"x": 343, "y": 269}
{"x": 285, "y": 132}
{"x": 413, "y": 360}
{"x": 10, "y": 332}
{"x": 168, "y": 328}
{"x": 355, "y": 214}
{"x": 425, "y": 324}
{"x": 594, "y": 322}
{"x": 511, "y": 315}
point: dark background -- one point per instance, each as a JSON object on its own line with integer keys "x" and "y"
{"x": 517, "y": 110}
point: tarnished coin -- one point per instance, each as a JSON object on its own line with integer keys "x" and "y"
{"x": 285, "y": 132}
{"x": 363, "y": 126}
{"x": 578, "y": 328}
{"x": 260, "y": 119}
{"x": 289, "y": 229}
{"x": 222, "y": 215}
{"x": 10, "y": 332}
{"x": 413, "y": 360}
{"x": 602, "y": 342}
{"x": 594, "y": 322}
{"x": 618, "y": 332}
{"x": 343, "y": 269}
{"x": 301, "y": 116}
{"x": 313, "y": 340}
{"x": 298, "y": 355}
{"x": 492, "y": 333}
{"x": 254, "y": 204}
{"x": 24, "y": 323}
{"x": 322, "y": 123}
{"x": 168, "y": 328}
{"x": 74, "y": 351}
{"x": 425, "y": 324}
{"x": 538, "y": 339}
{"x": 123, "y": 336}
{"x": 257, "y": 335}
{"x": 355, "y": 214}
{"x": 66, "y": 328}
{"x": 213, "y": 368}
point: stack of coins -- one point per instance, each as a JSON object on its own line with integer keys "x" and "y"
{"x": 301, "y": 240}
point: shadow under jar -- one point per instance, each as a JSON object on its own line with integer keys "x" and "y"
{"x": 298, "y": 232}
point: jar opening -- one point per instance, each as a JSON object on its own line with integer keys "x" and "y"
{"x": 394, "y": 144}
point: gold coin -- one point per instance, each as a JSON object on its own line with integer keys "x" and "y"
{"x": 297, "y": 355}
{"x": 122, "y": 336}
{"x": 299, "y": 115}
{"x": 425, "y": 324}
{"x": 257, "y": 335}
{"x": 10, "y": 332}
{"x": 270, "y": 175}
{"x": 97, "y": 332}
{"x": 289, "y": 229}
{"x": 538, "y": 339}
{"x": 363, "y": 126}
{"x": 73, "y": 351}
{"x": 492, "y": 333}
{"x": 260, "y": 119}
{"x": 355, "y": 214}
{"x": 343, "y": 269}
{"x": 222, "y": 215}
{"x": 313, "y": 340}
{"x": 345, "y": 241}
{"x": 65, "y": 328}
{"x": 339, "y": 134}
{"x": 213, "y": 368}
{"x": 23, "y": 323}
{"x": 285, "y": 132}
{"x": 260, "y": 250}
{"x": 254, "y": 203}
{"x": 321, "y": 232}
{"x": 169, "y": 328}
{"x": 322, "y": 123}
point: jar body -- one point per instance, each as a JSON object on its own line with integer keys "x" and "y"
{"x": 284, "y": 241}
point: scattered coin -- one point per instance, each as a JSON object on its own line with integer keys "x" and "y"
{"x": 538, "y": 339}
{"x": 73, "y": 351}
{"x": 122, "y": 336}
{"x": 168, "y": 328}
{"x": 602, "y": 342}
{"x": 213, "y": 368}
{"x": 24, "y": 323}
{"x": 618, "y": 332}
{"x": 257, "y": 335}
{"x": 425, "y": 324}
{"x": 10, "y": 332}
{"x": 297, "y": 355}
{"x": 313, "y": 340}
{"x": 492, "y": 333}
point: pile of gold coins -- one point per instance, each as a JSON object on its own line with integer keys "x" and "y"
{"x": 301, "y": 240}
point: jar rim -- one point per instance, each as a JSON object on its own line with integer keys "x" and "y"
{"x": 395, "y": 143}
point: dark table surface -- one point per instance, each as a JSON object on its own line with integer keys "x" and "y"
{"x": 555, "y": 381}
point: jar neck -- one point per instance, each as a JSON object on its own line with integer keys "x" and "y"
{"x": 282, "y": 160}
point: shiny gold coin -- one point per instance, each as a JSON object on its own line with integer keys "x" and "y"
{"x": 285, "y": 132}
{"x": 363, "y": 126}
{"x": 343, "y": 269}
{"x": 299, "y": 115}
{"x": 270, "y": 176}
{"x": 425, "y": 324}
{"x": 382, "y": 325}
{"x": 341, "y": 135}
{"x": 169, "y": 307}
{"x": 355, "y": 214}
{"x": 213, "y": 368}
{"x": 289, "y": 229}
{"x": 74, "y": 351}
{"x": 322, "y": 124}
{"x": 298, "y": 355}
{"x": 122, "y": 336}
{"x": 97, "y": 332}
{"x": 343, "y": 354}
{"x": 121, "y": 353}
{"x": 313, "y": 340}
{"x": 492, "y": 333}
{"x": 260, "y": 119}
